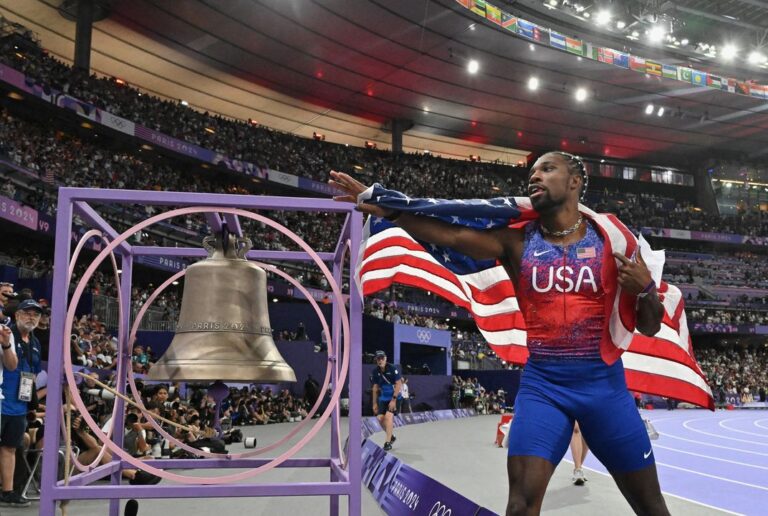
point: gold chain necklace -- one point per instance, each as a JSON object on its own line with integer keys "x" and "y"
{"x": 564, "y": 232}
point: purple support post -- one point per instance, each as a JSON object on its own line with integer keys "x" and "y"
{"x": 233, "y": 223}
{"x": 344, "y": 481}
{"x": 336, "y": 453}
{"x": 55, "y": 361}
{"x": 214, "y": 222}
{"x": 251, "y": 255}
{"x": 89, "y": 215}
{"x": 354, "y": 459}
{"x": 124, "y": 353}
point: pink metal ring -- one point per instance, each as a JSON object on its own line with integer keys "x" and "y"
{"x": 80, "y": 244}
{"x": 146, "y": 465}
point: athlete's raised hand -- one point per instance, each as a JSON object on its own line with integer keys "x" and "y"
{"x": 352, "y": 188}
{"x": 634, "y": 276}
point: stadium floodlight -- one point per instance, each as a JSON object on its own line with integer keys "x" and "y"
{"x": 603, "y": 16}
{"x": 729, "y": 51}
{"x": 473, "y": 66}
{"x": 756, "y": 57}
{"x": 656, "y": 33}
{"x": 533, "y": 83}
{"x": 649, "y": 109}
{"x": 581, "y": 94}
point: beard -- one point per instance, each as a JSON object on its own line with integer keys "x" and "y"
{"x": 545, "y": 203}
{"x": 27, "y": 326}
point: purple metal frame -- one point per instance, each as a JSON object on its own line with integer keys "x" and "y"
{"x": 343, "y": 481}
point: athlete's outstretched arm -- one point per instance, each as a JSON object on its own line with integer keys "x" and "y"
{"x": 635, "y": 278}
{"x": 474, "y": 243}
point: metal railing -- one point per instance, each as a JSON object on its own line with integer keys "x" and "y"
{"x": 107, "y": 308}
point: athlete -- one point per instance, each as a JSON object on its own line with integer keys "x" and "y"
{"x": 565, "y": 285}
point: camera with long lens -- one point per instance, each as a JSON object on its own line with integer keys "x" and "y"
{"x": 8, "y": 295}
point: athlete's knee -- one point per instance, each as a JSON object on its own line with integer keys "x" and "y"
{"x": 516, "y": 505}
{"x": 652, "y": 506}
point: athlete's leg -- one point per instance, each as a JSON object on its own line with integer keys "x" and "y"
{"x": 538, "y": 439}
{"x": 618, "y": 438}
{"x": 528, "y": 479}
{"x": 642, "y": 491}
{"x": 579, "y": 448}
{"x": 579, "y": 452}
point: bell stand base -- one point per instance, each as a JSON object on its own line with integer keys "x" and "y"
{"x": 342, "y": 482}
{"x": 85, "y": 491}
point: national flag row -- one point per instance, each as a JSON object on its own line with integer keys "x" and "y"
{"x": 581, "y": 48}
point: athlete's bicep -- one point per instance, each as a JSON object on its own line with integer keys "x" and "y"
{"x": 480, "y": 245}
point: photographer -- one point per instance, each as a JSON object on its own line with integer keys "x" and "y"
{"x": 89, "y": 450}
{"x": 18, "y": 395}
{"x": 6, "y": 294}
{"x": 134, "y": 441}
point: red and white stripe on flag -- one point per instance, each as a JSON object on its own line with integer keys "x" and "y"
{"x": 662, "y": 365}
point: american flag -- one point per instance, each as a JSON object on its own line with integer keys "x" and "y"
{"x": 47, "y": 176}
{"x": 582, "y": 253}
{"x": 662, "y": 365}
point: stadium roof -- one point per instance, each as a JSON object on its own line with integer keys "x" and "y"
{"x": 347, "y": 68}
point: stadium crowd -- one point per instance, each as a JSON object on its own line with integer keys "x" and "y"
{"x": 418, "y": 174}
{"x": 740, "y": 374}
{"x": 469, "y": 393}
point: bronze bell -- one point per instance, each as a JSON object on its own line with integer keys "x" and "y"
{"x": 223, "y": 331}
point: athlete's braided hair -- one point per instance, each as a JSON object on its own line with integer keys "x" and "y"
{"x": 575, "y": 164}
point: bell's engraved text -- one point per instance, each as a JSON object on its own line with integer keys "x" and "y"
{"x": 222, "y": 326}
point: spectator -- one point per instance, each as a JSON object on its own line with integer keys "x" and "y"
{"x": 18, "y": 396}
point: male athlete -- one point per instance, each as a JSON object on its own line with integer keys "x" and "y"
{"x": 565, "y": 286}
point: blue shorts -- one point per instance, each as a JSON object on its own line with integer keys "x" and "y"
{"x": 554, "y": 394}
{"x": 384, "y": 406}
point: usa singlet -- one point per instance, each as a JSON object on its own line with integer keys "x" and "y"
{"x": 561, "y": 296}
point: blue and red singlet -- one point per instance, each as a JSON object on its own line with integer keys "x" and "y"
{"x": 561, "y": 296}
{"x": 560, "y": 291}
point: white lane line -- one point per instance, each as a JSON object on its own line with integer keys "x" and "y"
{"x": 760, "y": 421}
{"x": 722, "y": 424}
{"x": 702, "y": 443}
{"x": 685, "y": 424}
{"x": 729, "y": 480}
{"x": 710, "y": 457}
{"x": 667, "y": 493}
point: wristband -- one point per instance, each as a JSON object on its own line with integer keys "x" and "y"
{"x": 5, "y": 347}
{"x": 647, "y": 290}
{"x": 393, "y": 216}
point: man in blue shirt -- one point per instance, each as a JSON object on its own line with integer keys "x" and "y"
{"x": 18, "y": 388}
{"x": 387, "y": 384}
